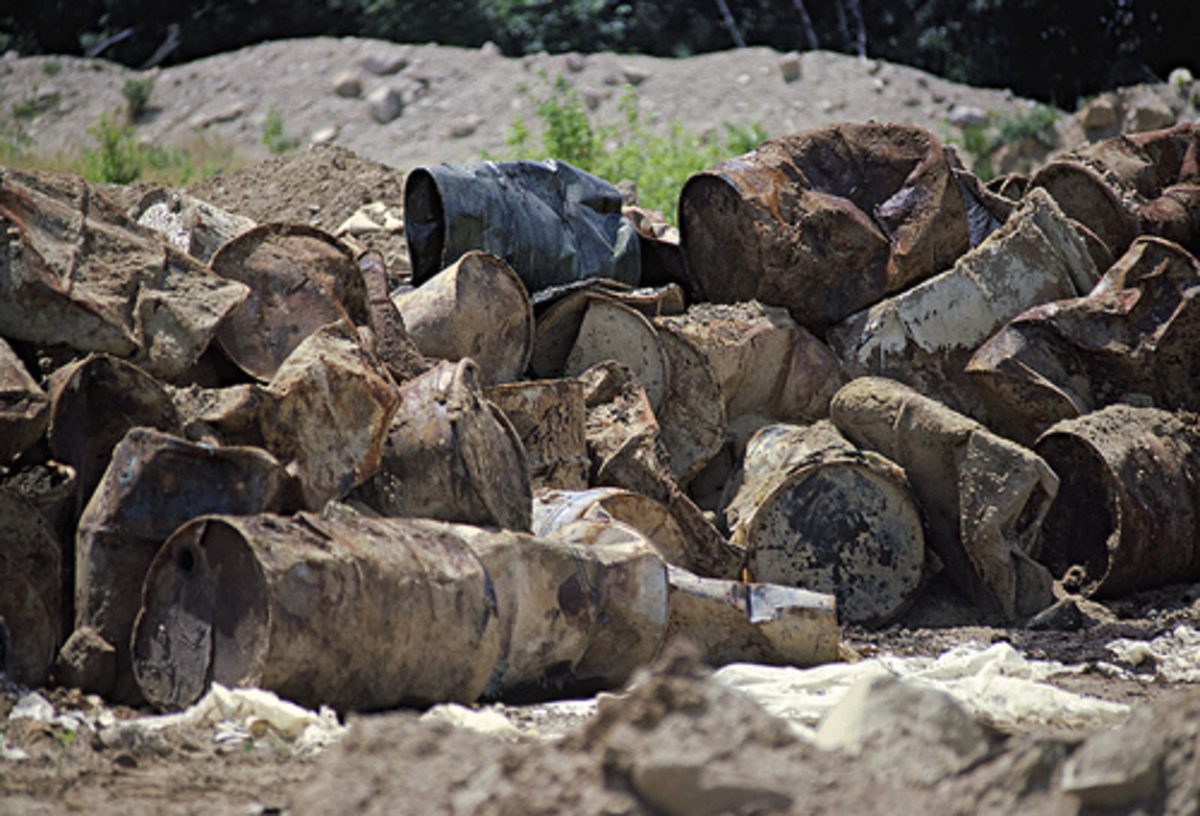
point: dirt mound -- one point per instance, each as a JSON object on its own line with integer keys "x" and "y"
{"x": 456, "y": 103}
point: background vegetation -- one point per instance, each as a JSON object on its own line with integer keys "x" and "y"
{"x": 1053, "y": 51}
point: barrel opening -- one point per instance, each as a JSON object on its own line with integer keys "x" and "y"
{"x": 1084, "y": 514}
{"x": 240, "y": 619}
{"x": 424, "y": 224}
{"x": 186, "y": 560}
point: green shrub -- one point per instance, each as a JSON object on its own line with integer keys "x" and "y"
{"x": 52, "y": 67}
{"x": 982, "y": 141}
{"x": 118, "y": 159}
{"x": 658, "y": 164}
{"x": 274, "y": 136}
{"x": 137, "y": 96}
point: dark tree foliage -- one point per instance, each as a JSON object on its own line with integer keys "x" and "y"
{"x": 1053, "y": 51}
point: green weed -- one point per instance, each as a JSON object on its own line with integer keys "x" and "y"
{"x": 982, "y": 141}
{"x": 137, "y": 96}
{"x": 658, "y": 164}
{"x": 117, "y": 160}
{"x": 52, "y": 67}
{"x": 274, "y": 136}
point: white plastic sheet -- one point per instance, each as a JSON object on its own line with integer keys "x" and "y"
{"x": 250, "y": 713}
{"x": 996, "y": 684}
{"x": 1176, "y": 655}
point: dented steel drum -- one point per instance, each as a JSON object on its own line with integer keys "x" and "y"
{"x": 24, "y": 406}
{"x": 579, "y": 609}
{"x": 924, "y": 336}
{"x": 736, "y": 622}
{"x": 155, "y": 483}
{"x": 1127, "y": 516}
{"x": 94, "y": 403}
{"x": 983, "y": 497}
{"x": 300, "y": 279}
{"x": 555, "y": 509}
{"x": 826, "y": 222}
{"x": 189, "y": 224}
{"x": 31, "y": 624}
{"x": 552, "y": 223}
{"x": 354, "y": 613}
{"x": 450, "y": 454}
{"x": 1136, "y": 333}
{"x": 329, "y": 407}
{"x": 813, "y": 511}
{"x": 75, "y": 271}
{"x": 550, "y": 418}
{"x": 477, "y": 307}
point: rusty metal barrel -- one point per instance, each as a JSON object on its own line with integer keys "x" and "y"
{"x": 551, "y": 222}
{"x": 155, "y": 483}
{"x": 815, "y": 512}
{"x": 579, "y": 610}
{"x": 452, "y": 455}
{"x": 825, "y": 222}
{"x": 1127, "y": 508}
{"x": 477, "y": 307}
{"x": 30, "y": 591}
{"x": 556, "y": 509}
{"x": 550, "y": 418}
{"x": 354, "y": 613}
{"x": 734, "y": 622}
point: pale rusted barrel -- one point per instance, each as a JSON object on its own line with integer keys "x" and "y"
{"x": 354, "y": 613}
{"x": 813, "y": 511}
{"x": 556, "y": 509}
{"x": 31, "y": 621}
{"x": 477, "y": 307}
{"x": 922, "y": 335}
{"x": 450, "y": 454}
{"x": 579, "y": 610}
{"x": 550, "y": 418}
{"x": 983, "y": 497}
{"x": 736, "y": 622}
{"x": 300, "y": 278}
{"x": 1126, "y": 512}
{"x": 155, "y": 483}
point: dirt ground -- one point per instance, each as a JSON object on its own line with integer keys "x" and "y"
{"x": 679, "y": 742}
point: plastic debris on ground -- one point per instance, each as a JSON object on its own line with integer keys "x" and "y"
{"x": 1175, "y": 655}
{"x": 996, "y": 684}
{"x": 242, "y": 714}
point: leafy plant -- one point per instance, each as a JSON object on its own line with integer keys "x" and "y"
{"x": 52, "y": 67}
{"x": 658, "y": 164}
{"x": 274, "y": 136}
{"x": 118, "y": 160}
{"x": 982, "y": 141}
{"x": 137, "y": 95}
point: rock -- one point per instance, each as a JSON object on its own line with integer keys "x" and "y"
{"x": 87, "y": 661}
{"x": 381, "y": 65}
{"x": 683, "y": 789}
{"x": 919, "y": 733}
{"x": 228, "y": 113}
{"x": 1147, "y": 111}
{"x": 1101, "y": 114}
{"x": 789, "y": 67}
{"x": 1119, "y": 767}
{"x": 967, "y": 116}
{"x": 576, "y": 62}
{"x": 1181, "y": 78}
{"x": 348, "y": 84}
{"x": 490, "y": 49}
{"x": 633, "y": 75}
{"x": 385, "y": 104}
{"x": 1063, "y": 616}
{"x": 464, "y": 128}
{"x": 324, "y": 135}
